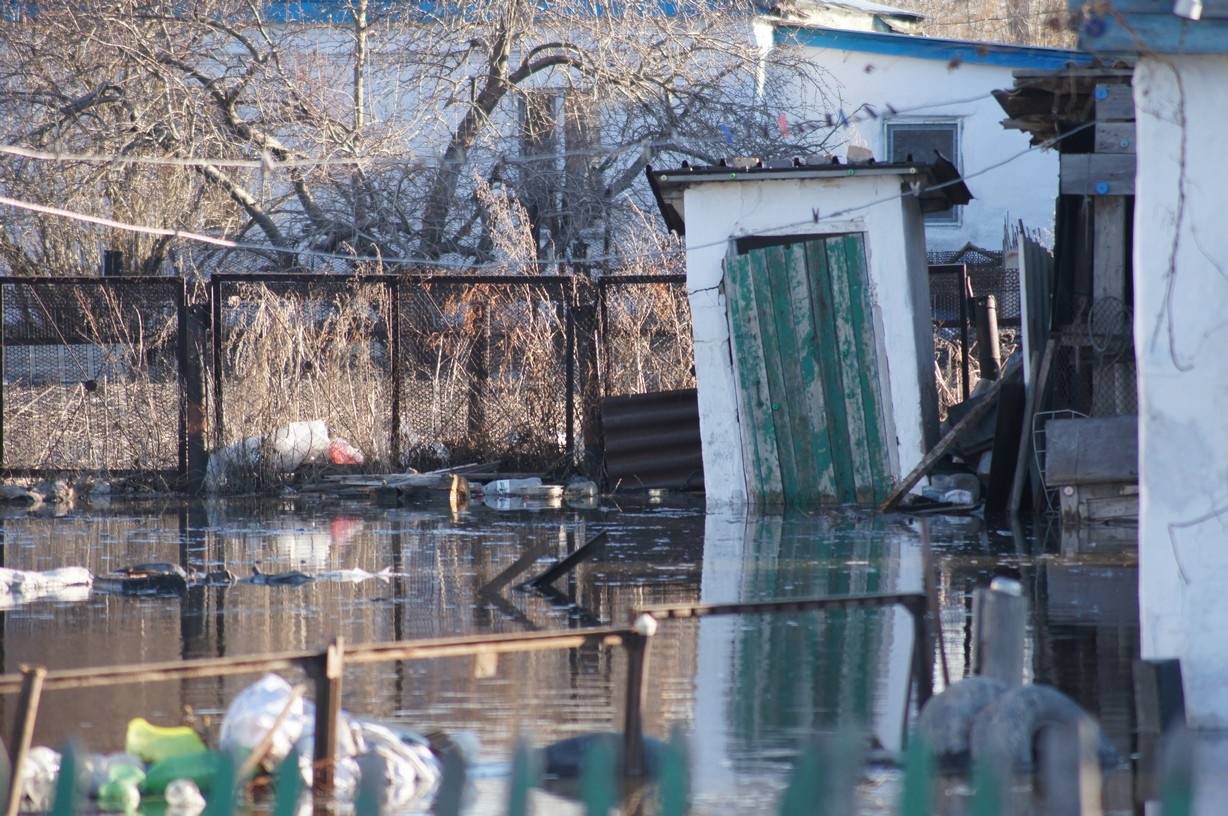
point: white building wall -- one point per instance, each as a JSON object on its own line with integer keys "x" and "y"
{"x": 929, "y": 90}
{"x": 722, "y": 210}
{"x": 1180, "y": 292}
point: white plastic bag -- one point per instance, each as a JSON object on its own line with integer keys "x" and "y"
{"x": 251, "y": 715}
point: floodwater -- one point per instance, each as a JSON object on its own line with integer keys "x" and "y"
{"x": 747, "y": 690}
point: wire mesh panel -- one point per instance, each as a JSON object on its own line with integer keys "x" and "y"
{"x": 91, "y": 377}
{"x": 303, "y": 348}
{"x": 987, "y": 275}
{"x": 484, "y": 371}
{"x": 647, "y": 343}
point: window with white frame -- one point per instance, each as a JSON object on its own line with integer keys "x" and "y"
{"x": 917, "y": 141}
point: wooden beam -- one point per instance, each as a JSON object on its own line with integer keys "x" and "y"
{"x": 973, "y": 416}
{"x": 1098, "y": 174}
{"x": 1211, "y": 9}
{"x": 1040, "y": 375}
{"x": 1131, "y": 33}
{"x": 1114, "y": 101}
{"x": 1115, "y": 137}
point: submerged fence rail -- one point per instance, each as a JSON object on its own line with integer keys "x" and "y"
{"x": 139, "y": 376}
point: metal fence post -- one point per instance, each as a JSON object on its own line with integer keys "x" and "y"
{"x": 181, "y": 354}
{"x": 3, "y": 320}
{"x": 964, "y": 295}
{"x": 569, "y": 296}
{"x": 394, "y": 352}
{"x": 328, "y": 708}
{"x": 633, "y": 719}
{"x": 23, "y": 732}
{"x": 215, "y": 341}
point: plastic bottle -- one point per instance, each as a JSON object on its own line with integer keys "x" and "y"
{"x": 118, "y": 796}
{"x": 512, "y": 487}
{"x": 154, "y": 743}
{"x": 184, "y": 798}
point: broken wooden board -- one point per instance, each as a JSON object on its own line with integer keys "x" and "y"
{"x": 988, "y": 401}
{"x": 419, "y": 487}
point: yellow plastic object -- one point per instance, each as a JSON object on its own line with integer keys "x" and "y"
{"x": 154, "y": 743}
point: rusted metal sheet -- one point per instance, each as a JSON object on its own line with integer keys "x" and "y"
{"x": 652, "y": 440}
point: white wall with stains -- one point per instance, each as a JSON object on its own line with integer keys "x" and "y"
{"x": 1180, "y": 331}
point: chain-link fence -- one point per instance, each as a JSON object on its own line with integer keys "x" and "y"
{"x": 91, "y": 375}
{"x": 646, "y": 339}
{"x": 411, "y": 370}
{"x": 432, "y": 371}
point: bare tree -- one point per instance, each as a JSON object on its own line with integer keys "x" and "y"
{"x": 417, "y": 115}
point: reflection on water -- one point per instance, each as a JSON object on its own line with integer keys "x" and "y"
{"x": 749, "y": 689}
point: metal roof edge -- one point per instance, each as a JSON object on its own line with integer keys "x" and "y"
{"x": 934, "y": 48}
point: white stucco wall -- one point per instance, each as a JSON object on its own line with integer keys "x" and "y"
{"x": 928, "y": 90}
{"x": 718, "y": 211}
{"x": 1180, "y": 291}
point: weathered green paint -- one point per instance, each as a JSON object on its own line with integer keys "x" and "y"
{"x": 758, "y": 429}
{"x": 806, "y": 367}
{"x": 862, "y": 315}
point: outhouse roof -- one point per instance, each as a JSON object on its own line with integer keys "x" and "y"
{"x": 939, "y": 183}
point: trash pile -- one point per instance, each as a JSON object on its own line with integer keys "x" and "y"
{"x": 266, "y": 723}
{"x": 284, "y": 450}
{"x": 533, "y": 494}
{"x": 65, "y": 584}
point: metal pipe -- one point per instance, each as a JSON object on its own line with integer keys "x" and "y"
{"x": 989, "y": 351}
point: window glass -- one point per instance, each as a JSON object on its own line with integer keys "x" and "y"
{"x": 919, "y": 141}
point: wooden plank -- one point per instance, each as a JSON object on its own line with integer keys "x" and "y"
{"x": 766, "y": 269}
{"x": 867, "y": 369}
{"x": 758, "y": 435}
{"x": 947, "y": 442}
{"x": 1109, "y": 248}
{"x": 1040, "y": 374}
{"x": 836, "y": 419}
{"x": 1008, "y": 430}
{"x": 847, "y": 360}
{"x": 806, "y": 391}
{"x": 1114, "y": 101}
{"x": 1115, "y": 137}
{"x": 1098, "y": 174}
{"x": 1132, "y": 33}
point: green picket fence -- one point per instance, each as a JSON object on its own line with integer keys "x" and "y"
{"x": 822, "y": 783}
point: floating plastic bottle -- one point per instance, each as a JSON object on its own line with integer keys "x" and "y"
{"x": 183, "y": 798}
{"x": 118, "y": 796}
{"x": 154, "y": 743}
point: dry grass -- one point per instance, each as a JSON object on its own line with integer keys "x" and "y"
{"x": 305, "y": 354}
{"x": 948, "y": 373}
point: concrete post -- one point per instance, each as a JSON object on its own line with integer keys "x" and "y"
{"x": 998, "y": 616}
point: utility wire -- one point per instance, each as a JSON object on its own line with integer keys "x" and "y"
{"x": 442, "y": 263}
{"x": 268, "y": 163}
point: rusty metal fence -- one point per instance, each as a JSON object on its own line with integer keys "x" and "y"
{"x": 92, "y": 376}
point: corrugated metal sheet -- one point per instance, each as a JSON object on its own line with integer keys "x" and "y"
{"x": 652, "y": 440}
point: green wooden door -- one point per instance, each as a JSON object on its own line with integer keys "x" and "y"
{"x": 806, "y": 362}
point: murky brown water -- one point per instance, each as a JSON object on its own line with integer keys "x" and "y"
{"x": 748, "y": 690}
